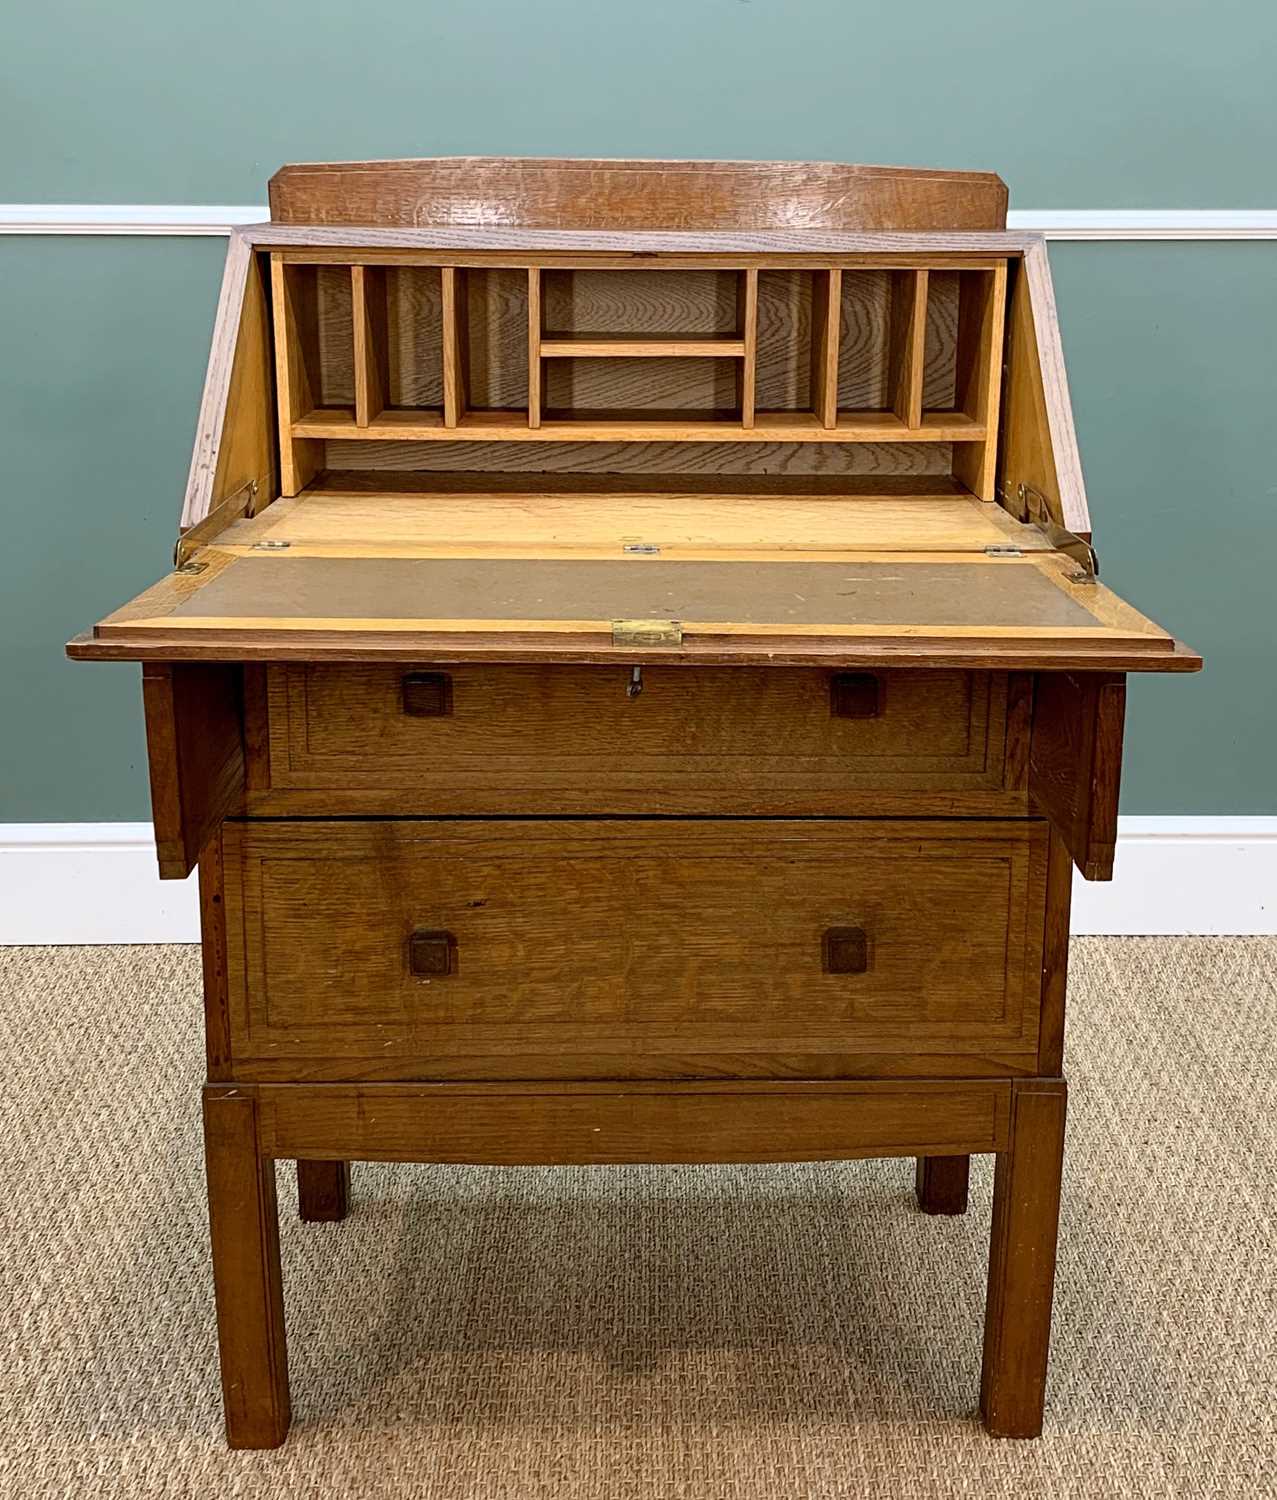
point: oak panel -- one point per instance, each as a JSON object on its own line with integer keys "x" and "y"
{"x": 761, "y": 740}
{"x": 632, "y": 935}
{"x": 587, "y": 194}
{"x": 541, "y": 1125}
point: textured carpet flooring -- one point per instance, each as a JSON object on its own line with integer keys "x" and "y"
{"x": 602, "y": 1333}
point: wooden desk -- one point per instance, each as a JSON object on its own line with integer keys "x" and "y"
{"x": 635, "y": 685}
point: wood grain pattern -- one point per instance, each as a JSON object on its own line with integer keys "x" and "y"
{"x": 569, "y": 249}
{"x": 679, "y": 404}
{"x": 978, "y": 389}
{"x": 235, "y": 440}
{"x": 626, "y": 1066}
{"x": 864, "y": 341}
{"x": 295, "y": 313}
{"x": 319, "y": 916}
{"x": 371, "y": 342}
{"x": 195, "y": 755}
{"x": 244, "y": 1231}
{"x": 638, "y": 398}
{"x": 763, "y": 451}
{"x": 1026, "y": 1210}
{"x": 747, "y": 324}
{"x": 940, "y": 340}
{"x": 541, "y": 1124}
{"x": 1076, "y": 763}
{"x": 414, "y": 301}
{"x": 740, "y": 739}
{"x": 591, "y": 649}
{"x": 1031, "y": 427}
{"x": 197, "y": 501}
{"x": 1055, "y": 958}
{"x": 786, "y": 342}
{"x": 1055, "y": 386}
{"x": 826, "y": 344}
{"x": 536, "y": 322}
{"x": 603, "y": 512}
{"x": 582, "y": 194}
{"x": 497, "y": 347}
{"x": 906, "y": 368}
{"x": 646, "y": 301}
{"x": 455, "y": 307}
{"x": 217, "y": 1015}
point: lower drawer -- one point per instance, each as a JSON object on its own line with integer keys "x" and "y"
{"x": 631, "y": 948}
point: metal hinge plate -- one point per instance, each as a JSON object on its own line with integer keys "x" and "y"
{"x": 1004, "y": 549}
{"x": 647, "y": 633}
{"x": 640, "y": 549}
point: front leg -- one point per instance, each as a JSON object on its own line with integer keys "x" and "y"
{"x": 1026, "y": 1213}
{"x": 244, "y": 1229}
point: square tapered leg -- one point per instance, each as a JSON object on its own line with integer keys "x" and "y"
{"x": 244, "y": 1230}
{"x": 1026, "y": 1212}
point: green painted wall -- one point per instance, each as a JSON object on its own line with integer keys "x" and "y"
{"x": 1077, "y": 103}
{"x": 1173, "y": 365}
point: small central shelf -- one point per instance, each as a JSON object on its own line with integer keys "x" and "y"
{"x": 639, "y": 346}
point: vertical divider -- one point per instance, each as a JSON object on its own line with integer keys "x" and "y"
{"x": 534, "y": 346}
{"x": 295, "y": 312}
{"x": 747, "y": 326}
{"x": 454, "y": 345}
{"x": 908, "y": 350}
{"x": 978, "y": 393}
{"x": 372, "y": 351}
{"x": 826, "y": 320}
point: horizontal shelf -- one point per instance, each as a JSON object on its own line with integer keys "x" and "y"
{"x": 769, "y": 427}
{"x": 638, "y": 346}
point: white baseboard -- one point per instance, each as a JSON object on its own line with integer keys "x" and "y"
{"x": 1173, "y": 875}
{"x": 97, "y": 883}
{"x": 1054, "y": 223}
{"x": 90, "y": 883}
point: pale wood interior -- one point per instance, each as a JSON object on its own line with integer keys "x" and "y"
{"x": 478, "y": 517}
{"x": 696, "y": 361}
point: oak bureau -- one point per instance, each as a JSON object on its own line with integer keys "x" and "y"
{"x": 635, "y": 683}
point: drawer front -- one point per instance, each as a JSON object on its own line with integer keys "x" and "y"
{"x": 699, "y": 740}
{"x": 406, "y": 949}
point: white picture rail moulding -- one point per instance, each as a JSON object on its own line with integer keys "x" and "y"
{"x": 1055, "y": 223}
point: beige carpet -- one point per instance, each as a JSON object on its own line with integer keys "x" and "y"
{"x": 716, "y": 1333}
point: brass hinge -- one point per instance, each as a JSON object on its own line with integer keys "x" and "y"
{"x": 647, "y": 633}
{"x": 1037, "y": 512}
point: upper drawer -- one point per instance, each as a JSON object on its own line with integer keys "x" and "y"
{"x": 480, "y": 739}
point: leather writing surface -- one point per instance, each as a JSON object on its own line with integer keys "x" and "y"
{"x": 800, "y": 593}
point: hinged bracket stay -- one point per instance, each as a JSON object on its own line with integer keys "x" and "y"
{"x": 1035, "y": 510}
{"x": 241, "y": 503}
